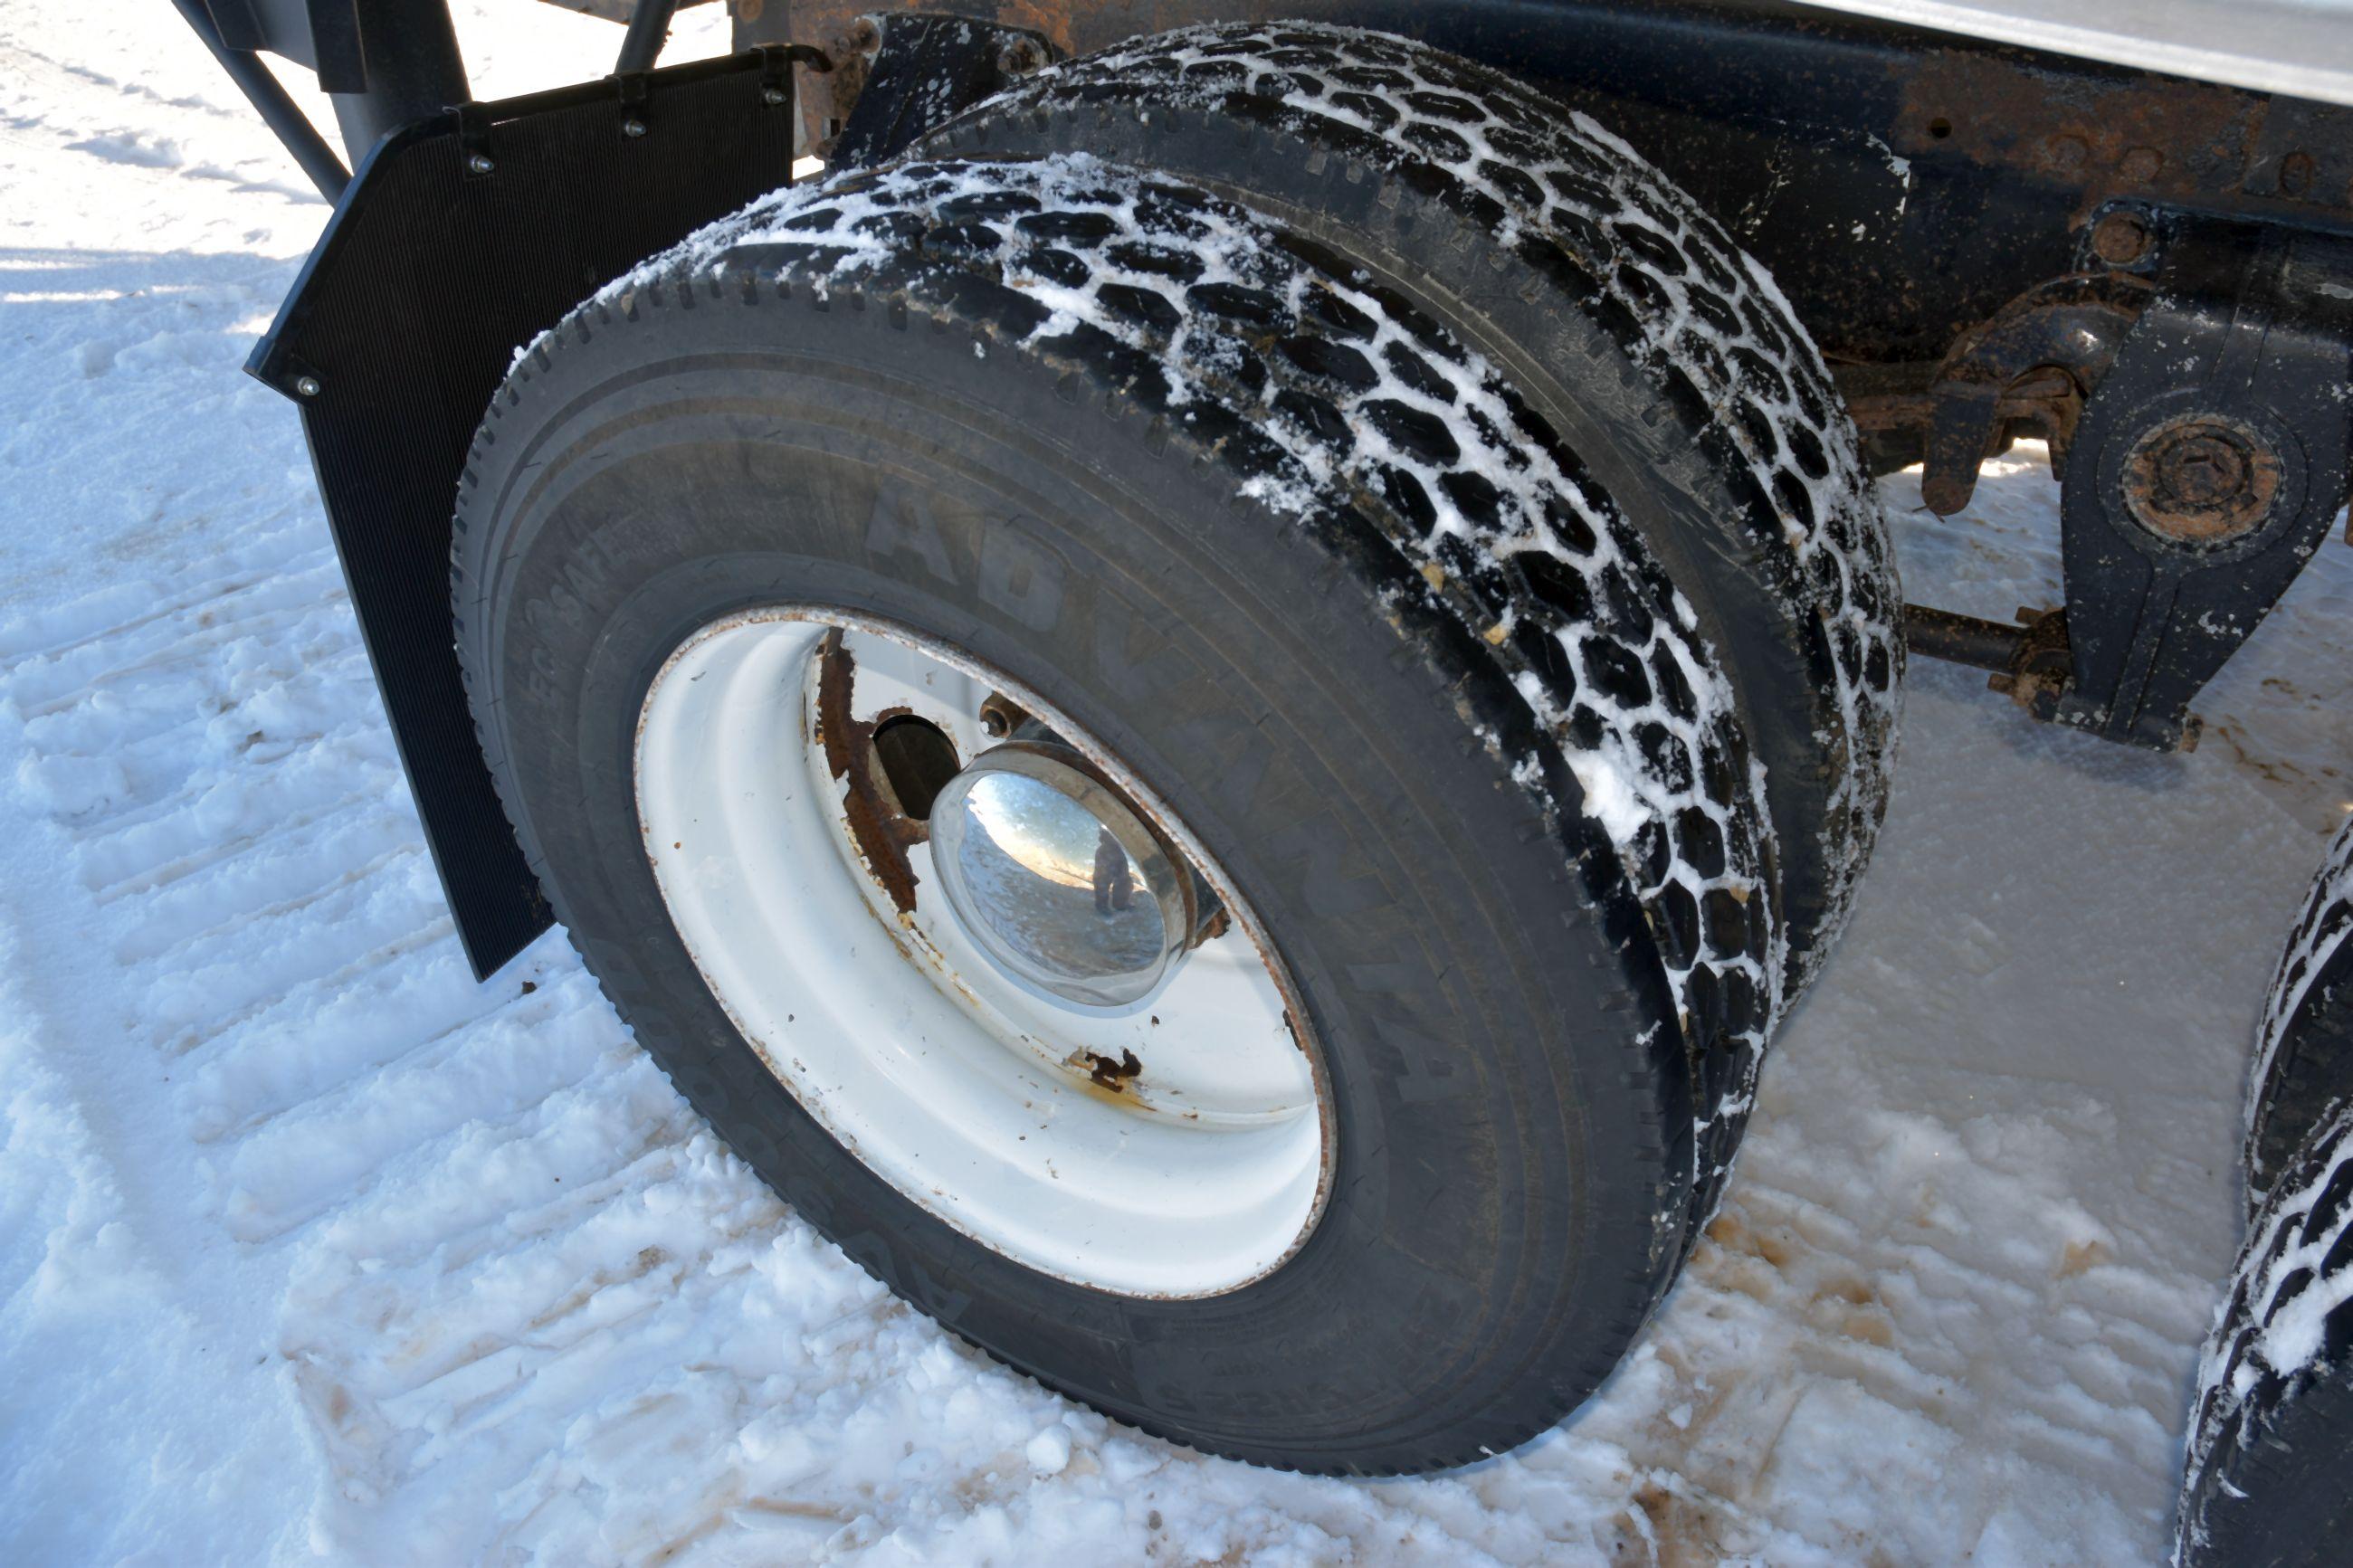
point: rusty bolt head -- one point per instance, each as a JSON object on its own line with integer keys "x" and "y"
{"x": 2120, "y": 240}
{"x": 2141, "y": 164}
{"x": 2202, "y": 479}
{"x": 2296, "y": 173}
{"x": 1020, "y": 58}
{"x": 2064, "y": 152}
{"x": 865, "y": 38}
{"x": 999, "y": 717}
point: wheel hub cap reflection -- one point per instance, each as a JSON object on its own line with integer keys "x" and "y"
{"x": 1057, "y": 879}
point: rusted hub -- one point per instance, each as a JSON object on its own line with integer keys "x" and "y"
{"x": 2202, "y": 479}
{"x": 1021, "y": 57}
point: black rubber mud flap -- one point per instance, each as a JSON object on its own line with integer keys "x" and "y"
{"x": 460, "y": 238}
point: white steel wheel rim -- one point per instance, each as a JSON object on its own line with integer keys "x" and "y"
{"x": 965, "y": 1089}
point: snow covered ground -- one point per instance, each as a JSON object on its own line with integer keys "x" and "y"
{"x": 309, "y": 1246}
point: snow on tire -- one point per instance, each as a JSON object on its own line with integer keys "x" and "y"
{"x": 2303, "y": 1044}
{"x": 1663, "y": 352}
{"x": 1172, "y": 345}
{"x": 2271, "y": 1436}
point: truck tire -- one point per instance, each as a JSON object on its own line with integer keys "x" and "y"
{"x": 2304, "y": 1045}
{"x": 1631, "y": 320}
{"x": 1357, "y": 630}
{"x": 2272, "y": 1439}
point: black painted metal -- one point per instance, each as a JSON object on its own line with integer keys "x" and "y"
{"x": 270, "y": 99}
{"x": 2253, "y": 325}
{"x": 1902, "y": 184}
{"x": 2070, "y": 324}
{"x": 758, "y": 22}
{"x": 384, "y": 64}
{"x": 402, "y": 325}
{"x": 648, "y": 29}
{"x": 273, "y": 26}
{"x": 1813, "y": 137}
{"x": 929, "y": 67}
{"x": 1960, "y": 639}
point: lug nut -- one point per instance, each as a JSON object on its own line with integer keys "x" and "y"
{"x": 998, "y": 717}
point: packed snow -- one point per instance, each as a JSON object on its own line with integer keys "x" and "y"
{"x": 310, "y": 1247}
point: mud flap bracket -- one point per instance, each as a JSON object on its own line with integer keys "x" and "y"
{"x": 461, "y": 237}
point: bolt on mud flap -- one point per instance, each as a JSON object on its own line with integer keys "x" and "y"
{"x": 2205, "y": 471}
{"x": 460, "y": 238}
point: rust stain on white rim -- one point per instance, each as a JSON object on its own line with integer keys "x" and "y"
{"x": 948, "y": 1077}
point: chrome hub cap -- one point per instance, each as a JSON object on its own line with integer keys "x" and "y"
{"x": 1057, "y": 877}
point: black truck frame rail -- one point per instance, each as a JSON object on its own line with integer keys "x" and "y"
{"x": 2152, "y": 274}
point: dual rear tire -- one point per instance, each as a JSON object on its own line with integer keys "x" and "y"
{"x": 1416, "y": 654}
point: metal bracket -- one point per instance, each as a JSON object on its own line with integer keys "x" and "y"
{"x": 2207, "y": 468}
{"x": 929, "y": 70}
{"x": 474, "y": 155}
{"x": 2035, "y": 360}
{"x": 268, "y": 95}
{"x": 776, "y": 62}
{"x": 636, "y": 94}
{"x": 402, "y": 323}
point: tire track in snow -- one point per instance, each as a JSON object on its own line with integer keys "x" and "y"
{"x": 238, "y": 945}
{"x": 518, "y": 1258}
